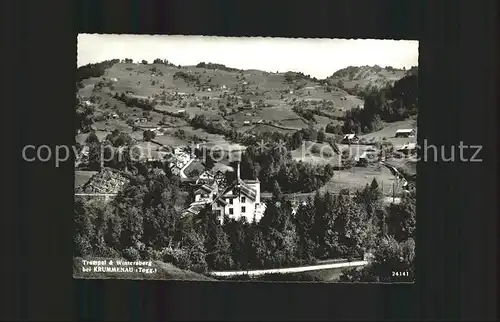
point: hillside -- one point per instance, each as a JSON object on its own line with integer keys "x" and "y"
{"x": 359, "y": 77}
{"x": 113, "y": 94}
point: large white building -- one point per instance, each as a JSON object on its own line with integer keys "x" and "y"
{"x": 241, "y": 199}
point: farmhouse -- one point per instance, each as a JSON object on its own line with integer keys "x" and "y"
{"x": 405, "y": 133}
{"x": 408, "y": 148}
{"x": 350, "y": 138}
{"x": 141, "y": 120}
{"x": 241, "y": 199}
{"x": 246, "y": 123}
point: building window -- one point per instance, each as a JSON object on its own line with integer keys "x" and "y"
{"x": 231, "y": 201}
{"x": 231, "y": 211}
{"x": 243, "y": 209}
{"x": 243, "y": 199}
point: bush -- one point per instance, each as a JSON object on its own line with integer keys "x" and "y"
{"x": 131, "y": 254}
{"x": 177, "y": 257}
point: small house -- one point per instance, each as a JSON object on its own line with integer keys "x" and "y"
{"x": 405, "y": 133}
{"x": 350, "y": 138}
{"x": 409, "y": 148}
{"x": 181, "y": 111}
{"x": 246, "y": 123}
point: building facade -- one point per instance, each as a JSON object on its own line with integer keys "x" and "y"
{"x": 241, "y": 199}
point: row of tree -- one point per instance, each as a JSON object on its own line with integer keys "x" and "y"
{"x": 216, "y": 66}
{"x": 94, "y": 70}
{"x": 144, "y": 104}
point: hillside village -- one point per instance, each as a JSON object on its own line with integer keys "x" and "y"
{"x": 197, "y": 134}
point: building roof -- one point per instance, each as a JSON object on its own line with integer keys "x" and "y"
{"x": 204, "y": 188}
{"x": 409, "y": 146}
{"x": 404, "y": 130}
{"x": 349, "y": 136}
{"x": 243, "y": 187}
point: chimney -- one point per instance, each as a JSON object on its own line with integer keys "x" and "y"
{"x": 238, "y": 172}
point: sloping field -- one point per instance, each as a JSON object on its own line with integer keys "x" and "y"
{"x": 266, "y": 128}
{"x": 317, "y": 154}
{"x": 297, "y": 123}
{"x": 223, "y": 145}
{"x": 390, "y": 129}
{"x": 358, "y": 177}
{"x": 160, "y": 271}
{"x": 82, "y": 177}
{"x": 171, "y": 140}
{"x": 101, "y": 135}
{"x": 106, "y": 181}
{"x": 276, "y": 114}
{"x": 190, "y": 132}
{"x": 191, "y": 110}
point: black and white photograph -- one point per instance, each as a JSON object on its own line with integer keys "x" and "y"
{"x": 253, "y": 159}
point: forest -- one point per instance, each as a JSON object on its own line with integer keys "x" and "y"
{"x": 144, "y": 222}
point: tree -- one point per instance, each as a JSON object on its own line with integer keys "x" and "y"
{"x": 297, "y": 139}
{"x": 94, "y": 156}
{"x": 370, "y": 197}
{"x": 92, "y": 138}
{"x": 256, "y": 248}
{"x": 144, "y": 62}
{"x": 306, "y": 243}
{"x": 148, "y": 135}
{"x": 118, "y": 138}
{"x": 333, "y": 128}
{"x": 193, "y": 244}
{"x": 209, "y": 161}
{"x": 236, "y": 232}
{"x": 321, "y": 136}
{"x": 85, "y": 229}
{"x": 324, "y": 227}
{"x": 218, "y": 248}
{"x": 402, "y": 218}
{"x": 389, "y": 256}
{"x": 277, "y": 193}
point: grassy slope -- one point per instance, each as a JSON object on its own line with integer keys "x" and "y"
{"x": 165, "y": 271}
{"x": 82, "y": 177}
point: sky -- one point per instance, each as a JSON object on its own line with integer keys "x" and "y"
{"x": 315, "y": 57}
